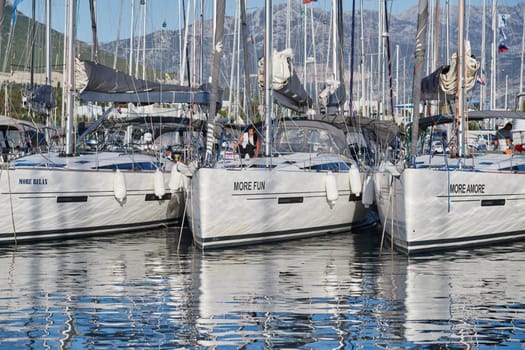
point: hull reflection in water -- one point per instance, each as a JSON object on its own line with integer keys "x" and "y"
{"x": 283, "y": 298}
{"x": 469, "y": 298}
{"x": 140, "y": 291}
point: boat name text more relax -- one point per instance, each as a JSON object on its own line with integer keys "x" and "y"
{"x": 36, "y": 181}
{"x": 467, "y": 188}
{"x": 249, "y": 185}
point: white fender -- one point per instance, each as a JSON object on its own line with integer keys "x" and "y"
{"x": 176, "y": 180}
{"x": 160, "y": 189}
{"x": 331, "y": 189}
{"x": 368, "y": 192}
{"x": 355, "y": 180}
{"x": 119, "y": 186}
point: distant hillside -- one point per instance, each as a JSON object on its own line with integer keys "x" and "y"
{"x": 17, "y": 46}
{"x": 163, "y": 47}
{"x": 163, "y": 55}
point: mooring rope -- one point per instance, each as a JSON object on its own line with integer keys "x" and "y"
{"x": 390, "y": 208}
{"x": 182, "y": 222}
{"x": 11, "y": 203}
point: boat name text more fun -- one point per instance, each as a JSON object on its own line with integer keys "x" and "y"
{"x": 467, "y": 188}
{"x": 249, "y": 186}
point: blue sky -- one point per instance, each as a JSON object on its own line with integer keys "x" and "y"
{"x": 160, "y": 11}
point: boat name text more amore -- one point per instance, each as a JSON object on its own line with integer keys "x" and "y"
{"x": 467, "y": 188}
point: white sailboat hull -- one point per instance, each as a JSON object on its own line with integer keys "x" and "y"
{"x": 50, "y": 203}
{"x": 427, "y": 209}
{"x": 244, "y": 206}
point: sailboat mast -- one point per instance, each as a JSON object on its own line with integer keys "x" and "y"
{"x": 2, "y": 6}
{"x": 493, "y": 58}
{"x": 185, "y": 63}
{"x": 247, "y": 90}
{"x": 314, "y": 51}
{"x": 144, "y": 16}
{"x": 389, "y": 62}
{"x": 216, "y": 62}
{"x": 233, "y": 101}
{"x": 522, "y": 56}
{"x": 94, "y": 49}
{"x": 48, "y": 42}
{"x": 379, "y": 72}
{"x": 421, "y": 34}
{"x": 460, "y": 91}
{"x": 351, "y": 92}
{"x": 64, "y": 71}
{"x": 435, "y": 52}
{"x": 139, "y": 38}
{"x": 334, "y": 36}
{"x": 305, "y": 40}
{"x": 71, "y": 76}
{"x": 482, "y": 90}
{"x": 191, "y": 54}
{"x": 118, "y": 35}
{"x": 33, "y": 37}
{"x": 364, "y": 90}
{"x": 447, "y": 34}
{"x": 340, "y": 43}
{"x": 201, "y": 46}
{"x": 132, "y": 27}
{"x": 288, "y": 23}
{"x": 48, "y": 59}
{"x": 268, "y": 96}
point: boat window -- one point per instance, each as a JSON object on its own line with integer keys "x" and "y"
{"x": 130, "y": 166}
{"x": 355, "y": 139}
{"x": 14, "y": 139}
{"x": 290, "y": 140}
{"x": 335, "y": 167}
{"x": 37, "y": 138}
{"x": 327, "y": 143}
{"x": 519, "y": 167}
{"x": 297, "y": 139}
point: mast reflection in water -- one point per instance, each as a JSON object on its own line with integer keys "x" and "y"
{"x": 139, "y": 291}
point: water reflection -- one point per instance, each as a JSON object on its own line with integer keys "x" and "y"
{"x": 464, "y": 298}
{"x": 329, "y": 292}
{"x": 308, "y": 293}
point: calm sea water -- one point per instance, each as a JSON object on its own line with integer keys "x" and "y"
{"x": 147, "y": 291}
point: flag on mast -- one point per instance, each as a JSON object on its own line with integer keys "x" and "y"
{"x": 502, "y": 21}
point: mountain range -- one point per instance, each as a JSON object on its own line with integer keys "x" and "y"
{"x": 163, "y": 48}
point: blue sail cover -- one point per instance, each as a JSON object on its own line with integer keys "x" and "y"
{"x": 96, "y": 82}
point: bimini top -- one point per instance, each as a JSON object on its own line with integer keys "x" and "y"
{"x": 472, "y": 115}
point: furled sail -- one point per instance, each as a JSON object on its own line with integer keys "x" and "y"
{"x": 332, "y": 96}
{"x": 442, "y": 83}
{"x": 288, "y": 89}
{"x": 96, "y": 82}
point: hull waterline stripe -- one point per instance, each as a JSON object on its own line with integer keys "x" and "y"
{"x": 86, "y": 231}
{"x": 470, "y": 239}
{"x": 281, "y": 235}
